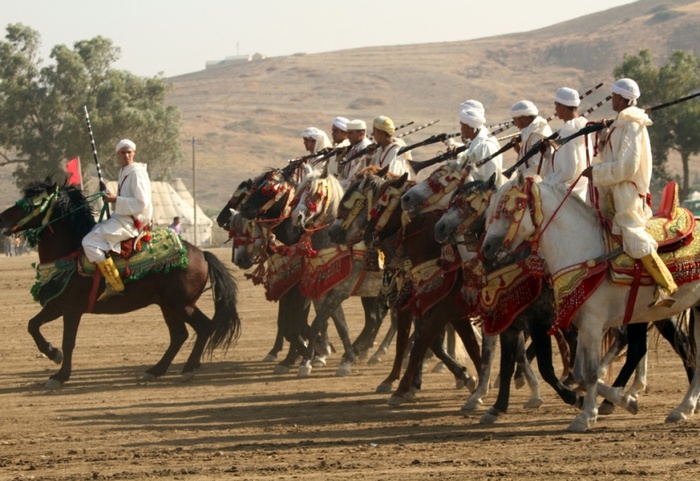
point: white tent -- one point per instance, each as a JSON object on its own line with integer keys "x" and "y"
{"x": 169, "y": 202}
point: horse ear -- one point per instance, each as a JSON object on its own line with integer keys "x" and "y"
{"x": 324, "y": 172}
{"x": 521, "y": 178}
{"x": 383, "y": 172}
{"x": 492, "y": 181}
{"x": 402, "y": 180}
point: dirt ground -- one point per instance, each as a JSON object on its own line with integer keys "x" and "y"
{"x": 238, "y": 420}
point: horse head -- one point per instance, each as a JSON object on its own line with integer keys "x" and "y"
{"x": 434, "y": 192}
{"x": 248, "y": 241}
{"x": 507, "y": 221}
{"x": 43, "y": 204}
{"x": 269, "y": 197}
{"x": 466, "y": 211}
{"x": 353, "y": 210}
{"x": 239, "y": 196}
{"x": 317, "y": 200}
{"x": 385, "y": 214}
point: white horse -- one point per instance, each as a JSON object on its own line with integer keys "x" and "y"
{"x": 569, "y": 233}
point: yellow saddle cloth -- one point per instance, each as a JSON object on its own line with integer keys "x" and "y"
{"x": 675, "y": 231}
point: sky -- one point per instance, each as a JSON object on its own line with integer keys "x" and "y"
{"x": 174, "y": 37}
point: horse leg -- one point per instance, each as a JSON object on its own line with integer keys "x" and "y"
{"x": 386, "y": 342}
{"x": 668, "y": 328}
{"x": 46, "y": 315}
{"x": 457, "y": 370}
{"x": 178, "y": 336}
{"x": 277, "y": 346}
{"x": 292, "y": 316}
{"x": 71, "y": 322}
{"x": 374, "y": 315}
{"x": 403, "y": 331}
{"x": 564, "y": 352}
{"x": 636, "y": 354}
{"x": 688, "y": 404}
{"x": 427, "y": 329}
{"x": 466, "y": 333}
{"x": 586, "y": 373}
{"x": 488, "y": 352}
{"x": 542, "y": 344}
{"x": 448, "y": 347}
{"x": 511, "y": 345}
{"x": 203, "y": 327}
{"x": 529, "y": 375}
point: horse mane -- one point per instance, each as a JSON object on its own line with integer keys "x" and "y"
{"x": 70, "y": 206}
{"x": 312, "y": 180}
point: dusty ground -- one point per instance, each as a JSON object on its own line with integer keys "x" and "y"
{"x": 237, "y": 420}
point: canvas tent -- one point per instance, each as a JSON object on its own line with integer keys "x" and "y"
{"x": 175, "y": 201}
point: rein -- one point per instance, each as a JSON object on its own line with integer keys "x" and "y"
{"x": 47, "y": 205}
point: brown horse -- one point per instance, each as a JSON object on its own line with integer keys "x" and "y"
{"x": 55, "y": 219}
{"x": 418, "y": 244}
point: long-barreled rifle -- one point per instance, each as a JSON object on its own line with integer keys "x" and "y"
{"x": 373, "y": 146}
{"x": 103, "y": 186}
{"x": 555, "y": 142}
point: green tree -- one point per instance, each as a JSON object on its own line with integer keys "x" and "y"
{"x": 42, "y": 120}
{"x": 676, "y": 127}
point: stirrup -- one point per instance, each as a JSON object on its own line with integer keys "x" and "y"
{"x": 662, "y": 298}
{"x": 108, "y": 293}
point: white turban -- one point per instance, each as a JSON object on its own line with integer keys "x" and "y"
{"x": 357, "y": 124}
{"x": 310, "y": 133}
{"x": 472, "y": 117}
{"x": 473, "y": 104}
{"x": 568, "y": 97}
{"x": 341, "y": 123}
{"x": 523, "y": 108}
{"x": 626, "y": 87}
{"x": 125, "y": 143}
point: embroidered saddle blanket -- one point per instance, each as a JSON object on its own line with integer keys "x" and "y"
{"x": 163, "y": 252}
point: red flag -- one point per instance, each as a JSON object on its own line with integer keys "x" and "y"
{"x": 73, "y": 171}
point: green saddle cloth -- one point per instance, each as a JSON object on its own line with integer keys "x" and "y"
{"x": 163, "y": 252}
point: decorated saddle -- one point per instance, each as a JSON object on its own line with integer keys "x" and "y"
{"x": 162, "y": 252}
{"x": 675, "y": 231}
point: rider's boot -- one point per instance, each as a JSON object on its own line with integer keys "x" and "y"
{"x": 665, "y": 285}
{"x": 114, "y": 284}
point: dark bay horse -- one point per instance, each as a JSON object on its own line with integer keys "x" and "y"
{"x": 415, "y": 242}
{"x": 55, "y": 218}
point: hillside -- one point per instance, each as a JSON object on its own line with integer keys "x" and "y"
{"x": 249, "y": 116}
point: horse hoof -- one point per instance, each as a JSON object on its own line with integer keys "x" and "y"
{"x": 631, "y": 406}
{"x": 676, "y": 416}
{"x": 519, "y": 382}
{"x": 304, "y": 369}
{"x": 344, "y": 369}
{"x": 488, "y": 418}
{"x": 460, "y": 383}
{"x": 606, "y": 409}
{"x": 533, "y": 403}
{"x": 363, "y": 355}
{"x": 396, "y": 401}
{"x": 383, "y": 388}
{"x": 148, "y": 377}
{"x": 281, "y": 369}
{"x": 439, "y": 367}
{"x": 319, "y": 361}
{"x": 53, "y": 384}
{"x": 270, "y": 357}
{"x": 472, "y": 404}
{"x": 471, "y": 383}
{"x": 580, "y": 424}
{"x": 187, "y": 376}
{"x": 375, "y": 359}
{"x": 58, "y": 357}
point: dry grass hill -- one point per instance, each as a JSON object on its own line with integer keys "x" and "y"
{"x": 249, "y": 116}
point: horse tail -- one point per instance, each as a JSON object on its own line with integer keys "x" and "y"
{"x": 227, "y": 324}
